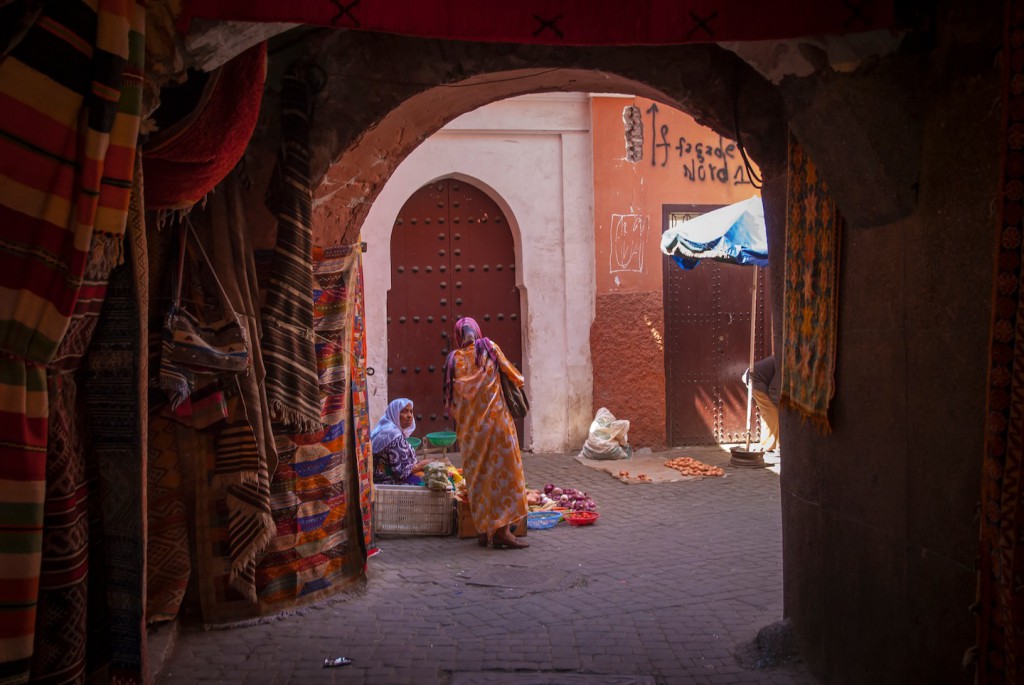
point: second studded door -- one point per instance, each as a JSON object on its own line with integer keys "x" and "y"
{"x": 452, "y": 255}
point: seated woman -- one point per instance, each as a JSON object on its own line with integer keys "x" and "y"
{"x": 394, "y": 459}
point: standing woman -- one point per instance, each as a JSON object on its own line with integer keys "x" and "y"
{"x": 491, "y": 461}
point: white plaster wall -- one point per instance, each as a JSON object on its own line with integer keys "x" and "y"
{"x": 533, "y": 156}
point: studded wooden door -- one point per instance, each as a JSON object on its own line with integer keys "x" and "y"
{"x": 707, "y": 348}
{"x": 452, "y": 255}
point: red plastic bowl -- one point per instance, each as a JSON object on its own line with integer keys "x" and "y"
{"x": 580, "y": 518}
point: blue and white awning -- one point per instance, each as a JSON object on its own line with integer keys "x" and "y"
{"x": 734, "y": 234}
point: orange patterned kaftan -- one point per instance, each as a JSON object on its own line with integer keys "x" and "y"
{"x": 491, "y": 461}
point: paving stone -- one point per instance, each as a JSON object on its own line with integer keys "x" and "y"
{"x": 671, "y": 580}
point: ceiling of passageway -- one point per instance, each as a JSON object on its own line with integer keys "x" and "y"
{"x": 571, "y": 22}
{"x": 386, "y": 92}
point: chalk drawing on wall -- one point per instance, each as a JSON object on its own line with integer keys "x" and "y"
{"x": 629, "y": 238}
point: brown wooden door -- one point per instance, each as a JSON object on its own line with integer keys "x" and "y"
{"x": 707, "y": 348}
{"x": 452, "y": 255}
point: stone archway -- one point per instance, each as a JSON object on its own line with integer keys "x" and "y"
{"x": 547, "y": 228}
{"x": 854, "y": 538}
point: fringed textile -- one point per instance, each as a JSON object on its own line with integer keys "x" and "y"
{"x": 288, "y": 351}
{"x": 810, "y": 305}
{"x": 69, "y": 117}
{"x": 311, "y": 556}
{"x": 244, "y": 446}
{"x": 1000, "y": 627}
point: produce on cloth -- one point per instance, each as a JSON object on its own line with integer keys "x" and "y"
{"x": 568, "y": 498}
{"x": 691, "y": 467}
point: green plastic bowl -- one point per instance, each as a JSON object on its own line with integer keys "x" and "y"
{"x": 442, "y": 438}
{"x": 414, "y": 443}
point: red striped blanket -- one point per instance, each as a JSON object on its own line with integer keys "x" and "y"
{"x": 69, "y": 117}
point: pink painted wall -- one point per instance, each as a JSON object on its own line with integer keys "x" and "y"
{"x": 682, "y": 163}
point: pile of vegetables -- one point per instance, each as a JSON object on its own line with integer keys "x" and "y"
{"x": 691, "y": 467}
{"x": 435, "y": 476}
{"x": 567, "y": 498}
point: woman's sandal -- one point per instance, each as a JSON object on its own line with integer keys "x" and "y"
{"x": 481, "y": 539}
{"x": 510, "y": 543}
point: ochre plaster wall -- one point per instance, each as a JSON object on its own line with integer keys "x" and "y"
{"x": 682, "y": 163}
{"x": 629, "y": 362}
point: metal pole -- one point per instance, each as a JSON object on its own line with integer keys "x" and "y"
{"x": 750, "y": 367}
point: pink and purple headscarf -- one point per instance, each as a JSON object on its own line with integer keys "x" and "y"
{"x": 484, "y": 349}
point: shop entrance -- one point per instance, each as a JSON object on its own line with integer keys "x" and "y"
{"x": 452, "y": 255}
{"x": 707, "y": 346}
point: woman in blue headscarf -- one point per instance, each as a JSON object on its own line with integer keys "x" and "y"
{"x": 394, "y": 459}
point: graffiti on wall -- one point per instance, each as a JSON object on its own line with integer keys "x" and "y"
{"x": 700, "y": 161}
{"x": 629, "y": 237}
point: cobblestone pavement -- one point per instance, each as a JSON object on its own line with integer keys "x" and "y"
{"x": 663, "y": 589}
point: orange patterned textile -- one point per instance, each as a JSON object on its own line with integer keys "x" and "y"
{"x": 810, "y": 314}
{"x": 491, "y": 460}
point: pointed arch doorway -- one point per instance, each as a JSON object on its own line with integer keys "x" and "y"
{"x": 452, "y": 255}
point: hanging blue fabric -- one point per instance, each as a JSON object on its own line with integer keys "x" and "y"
{"x": 734, "y": 234}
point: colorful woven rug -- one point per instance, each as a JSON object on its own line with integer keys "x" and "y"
{"x": 311, "y": 555}
{"x": 288, "y": 352}
{"x": 1001, "y": 555}
{"x": 235, "y": 485}
{"x": 810, "y": 304}
{"x": 335, "y": 264}
{"x": 68, "y": 129}
{"x": 361, "y": 414}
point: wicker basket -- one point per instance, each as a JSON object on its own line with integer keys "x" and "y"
{"x": 412, "y": 510}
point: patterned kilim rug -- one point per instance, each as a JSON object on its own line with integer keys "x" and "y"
{"x": 810, "y": 311}
{"x": 61, "y": 639}
{"x": 361, "y": 412}
{"x": 73, "y": 591}
{"x": 311, "y": 556}
{"x": 1001, "y": 555}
